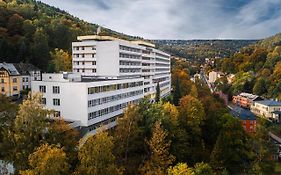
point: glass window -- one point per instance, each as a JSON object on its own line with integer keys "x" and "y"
{"x": 56, "y": 89}
{"x": 44, "y": 101}
{"x": 56, "y": 102}
{"x": 42, "y": 89}
{"x": 14, "y": 80}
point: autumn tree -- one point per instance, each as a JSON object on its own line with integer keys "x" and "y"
{"x": 28, "y": 131}
{"x": 180, "y": 169}
{"x": 160, "y": 158}
{"x": 61, "y": 60}
{"x": 47, "y": 160}
{"x": 95, "y": 156}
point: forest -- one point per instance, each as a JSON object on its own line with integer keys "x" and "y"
{"x": 198, "y": 50}
{"x": 191, "y": 133}
{"x": 257, "y": 69}
{"x": 33, "y": 32}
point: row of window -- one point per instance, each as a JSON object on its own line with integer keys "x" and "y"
{"x": 111, "y": 109}
{"x": 102, "y": 123}
{"x": 82, "y": 55}
{"x": 56, "y": 89}
{"x": 129, "y": 70}
{"x": 129, "y": 63}
{"x": 25, "y": 79}
{"x": 83, "y": 70}
{"x": 162, "y": 55}
{"x": 124, "y": 55}
{"x": 131, "y": 49}
{"x": 98, "y": 89}
{"x": 83, "y": 62}
{"x": 100, "y": 101}
{"x": 56, "y": 101}
{"x": 83, "y": 47}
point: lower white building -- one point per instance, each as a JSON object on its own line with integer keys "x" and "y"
{"x": 268, "y": 109}
{"x": 92, "y": 101}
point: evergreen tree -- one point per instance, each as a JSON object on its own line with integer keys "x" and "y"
{"x": 157, "y": 96}
{"x": 177, "y": 93}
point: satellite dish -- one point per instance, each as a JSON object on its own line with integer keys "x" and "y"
{"x": 98, "y": 30}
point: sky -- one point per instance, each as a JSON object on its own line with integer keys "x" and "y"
{"x": 180, "y": 19}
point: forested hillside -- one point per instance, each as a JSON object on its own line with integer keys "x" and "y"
{"x": 30, "y": 31}
{"x": 198, "y": 50}
{"x": 257, "y": 68}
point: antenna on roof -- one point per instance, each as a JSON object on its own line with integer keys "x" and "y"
{"x": 98, "y": 30}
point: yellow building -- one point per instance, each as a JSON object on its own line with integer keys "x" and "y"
{"x": 10, "y": 80}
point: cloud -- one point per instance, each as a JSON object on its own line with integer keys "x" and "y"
{"x": 181, "y": 19}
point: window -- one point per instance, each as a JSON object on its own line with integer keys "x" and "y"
{"x": 14, "y": 80}
{"x": 83, "y": 63}
{"x": 15, "y": 88}
{"x": 2, "y": 81}
{"x": 56, "y": 89}
{"x": 42, "y": 89}
{"x": 3, "y": 89}
{"x": 83, "y": 70}
{"x": 77, "y": 62}
{"x": 56, "y": 102}
{"x": 57, "y": 114}
{"x": 94, "y": 63}
{"x": 83, "y": 48}
{"x": 83, "y": 55}
{"x": 93, "y": 48}
{"x": 94, "y": 70}
{"x": 78, "y": 70}
{"x": 93, "y": 55}
{"x": 26, "y": 79}
{"x": 44, "y": 101}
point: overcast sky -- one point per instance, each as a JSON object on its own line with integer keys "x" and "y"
{"x": 181, "y": 19}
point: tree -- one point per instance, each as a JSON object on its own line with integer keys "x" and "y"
{"x": 160, "y": 158}
{"x": 47, "y": 160}
{"x": 260, "y": 87}
{"x": 192, "y": 113}
{"x": 28, "y": 131}
{"x": 157, "y": 96}
{"x": 129, "y": 143}
{"x": 95, "y": 156}
{"x": 62, "y": 60}
{"x": 232, "y": 150}
{"x": 203, "y": 169}
{"x": 40, "y": 49}
{"x": 180, "y": 169}
{"x": 177, "y": 93}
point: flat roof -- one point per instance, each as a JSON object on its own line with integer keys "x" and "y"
{"x": 110, "y": 38}
{"x": 269, "y": 102}
{"x": 242, "y": 114}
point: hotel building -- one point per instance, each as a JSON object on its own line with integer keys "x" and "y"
{"x": 108, "y": 74}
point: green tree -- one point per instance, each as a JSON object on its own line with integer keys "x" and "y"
{"x": 177, "y": 93}
{"x": 40, "y": 49}
{"x": 47, "y": 160}
{"x": 203, "y": 169}
{"x": 160, "y": 158}
{"x": 260, "y": 87}
{"x": 158, "y": 91}
{"x": 232, "y": 150}
{"x": 95, "y": 156}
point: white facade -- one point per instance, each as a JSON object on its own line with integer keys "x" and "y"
{"x": 267, "y": 109}
{"x": 120, "y": 58}
{"x": 213, "y": 76}
{"x": 108, "y": 74}
{"x": 93, "y": 102}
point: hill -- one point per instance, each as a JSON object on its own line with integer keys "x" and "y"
{"x": 30, "y": 30}
{"x": 200, "y": 49}
{"x": 257, "y": 68}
